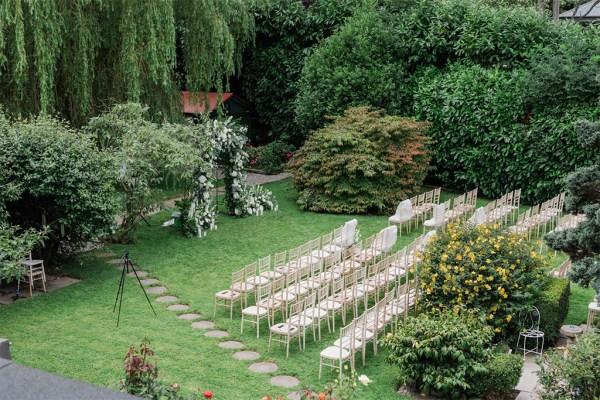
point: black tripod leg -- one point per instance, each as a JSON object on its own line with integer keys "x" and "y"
{"x": 120, "y": 292}
{"x": 142, "y": 286}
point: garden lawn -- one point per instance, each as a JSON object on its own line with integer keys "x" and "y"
{"x": 72, "y": 331}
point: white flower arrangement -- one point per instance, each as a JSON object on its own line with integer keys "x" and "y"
{"x": 228, "y": 140}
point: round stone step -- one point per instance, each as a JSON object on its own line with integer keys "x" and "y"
{"x": 286, "y": 381}
{"x": 298, "y": 395}
{"x": 189, "y": 316}
{"x": 149, "y": 281}
{"x": 216, "y": 334}
{"x": 107, "y": 254}
{"x": 246, "y": 355}
{"x": 231, "y": 344}
{"x": 139, "y": 273}
{"x": 166, "y": 299}
{"x": 156, "y": 290}
{"x": 114, "y": 261}
{"x": 178, "y": 307}
{"x": 203, "y": 325}
{"x": 263, "y": 367}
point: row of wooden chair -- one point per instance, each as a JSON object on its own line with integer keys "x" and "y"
{"x": 416, "y": 208}
{"x": 452, "y": 210}
{"x": 540, "y": 218}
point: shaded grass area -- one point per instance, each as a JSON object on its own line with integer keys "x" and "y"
{"x": 578, "y": 304}
{"x": 72, "y": 331}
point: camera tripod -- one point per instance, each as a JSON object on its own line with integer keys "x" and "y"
{"x": 126, "y": 267}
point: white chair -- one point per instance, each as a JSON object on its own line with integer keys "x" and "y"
{"x": 316, "y": 313}
{"x": 256, "y": 312}
{"x": 390, "y": 237}
{"x": 336, "y": 356}
{"x": 227, "y": 298}
{"x": 478, "y": 217}
{"x": 33, "y": 271}
{"x": 284, "y": 332}
{"x": 347, "y": 237}
{"x": 403, "y": 215}
{"x": 437, "y": 221}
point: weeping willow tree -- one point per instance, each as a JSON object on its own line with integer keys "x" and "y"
{"x": 78, "y": 57}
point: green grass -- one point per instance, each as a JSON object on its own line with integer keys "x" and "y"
{"x": 578, "y": 304}
{"x": 72, "y": 331}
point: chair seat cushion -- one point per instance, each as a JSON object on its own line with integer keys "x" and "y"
{"x": 335, "y": 353}
{"x": 330, "y": 304}
{"x": 271, "y": 274}
{"x": 258, "y": 280}
{"x": 364, "y": 335}
{"x": 255, "y": 311}
{"x": 284, "y": 328}
{"x": 242, "y": 287}
{"x": 270, "y": 303}
{"x": 397, "y": 220}
{"x": 228, "y": 295}
{"x": 285, "y": 296}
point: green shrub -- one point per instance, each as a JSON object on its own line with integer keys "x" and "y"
{"x": 269, "y": 158}
{"x": 364, "y": 161}
{"x": 483, "y": 268}
{"x": 285, "y": 31}
{"x": 356, "y": 66}
{"x": 55, "y": 176}
{"x": 502, "y": 375}
{"x": 483, "y": 134}
{"x": 442, "y": 351}
{"x": 553, "y": 303}
{"x": 574, "y": 373}
{"x": 16, "y": 243}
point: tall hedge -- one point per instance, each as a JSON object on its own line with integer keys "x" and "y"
{"x": 359, "y": 65}
{"x": 286, "y": 30}
{"x": 553, "y": 304}
{"x": 363, "y": 161}
{"x": 484, "y": 134}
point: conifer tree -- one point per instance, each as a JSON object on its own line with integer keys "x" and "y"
{"x": 582, "y": 243}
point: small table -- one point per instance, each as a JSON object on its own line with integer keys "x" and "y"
{"x": 593, "y": 309}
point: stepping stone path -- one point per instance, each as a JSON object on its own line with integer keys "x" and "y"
{"x": 139, "y": 273}
{"x": 189, "y": 316}
{"x": 231, "y": 344}
{"x": 178, "y": 307}
{"x": 149, "y": 281}
{"x": 109, "y": 254}
{"x": 166, "y": 299}
{"x": 263, "y": 367}
{"x": 156, "y": 290}
{"x": 114, "y": 261}
{"x": 284, "y": 381}
{"x": 246, "y": 355}
{"x": 216, "y": 334}
{"x": 203, "y": 325}
{"x": 296, "y": 395}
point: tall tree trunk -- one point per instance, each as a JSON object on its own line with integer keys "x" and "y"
{"x": 555, "y": 9}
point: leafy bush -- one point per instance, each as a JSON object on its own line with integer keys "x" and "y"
{"x": 574, "y": 374}
{"x": 356, "y": 66}
{"x": 503, "y": 372}
{"x": 442, "y": 351}
{"x": 438, "y": 32}
{"x": 14, "y": 245}
{"x": 484, "y": 136}
{"x": 364, "y": 161}
{"x": 270, "y": 158}
{"x": 55, "y": 176}
{"x": 483, "y": 268}
{"x": 553, "y": 303}
{"x": 285, "y": 32}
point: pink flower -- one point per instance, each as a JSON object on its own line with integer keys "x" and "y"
{"x": 175, "y": 386}
{"x": 208, "y": 394}
{"x": 288, "y": 154}
{"x": 252, "y": 162}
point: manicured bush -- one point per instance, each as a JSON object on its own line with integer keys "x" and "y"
{"x": 269, "y": 158}
{"x": 573, "y": 373}
{"x": 503, "y": 372}
{"x": 441, "y": 351}
{"x": 483, "y": 134}
{"x": 553, "y": 303}
{"x": 55, "y": 176}
{"x": 363, "y": 161}
{"x": 359, "y": 65}
{"x": 484, "y": 268}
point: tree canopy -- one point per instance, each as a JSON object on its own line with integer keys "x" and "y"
{"x": 76, "y": 57}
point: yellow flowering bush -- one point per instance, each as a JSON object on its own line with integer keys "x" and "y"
{"x": 484, "y": 268}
